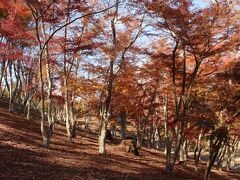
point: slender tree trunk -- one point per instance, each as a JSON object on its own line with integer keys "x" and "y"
{"x": 151, "y": 133}
{"x": 139, "y": 134}
{"x": 179, "y": 141}
{"x": 208, "y": 170}
{"x": 6, "y": 78}
{"x": 123, "y": 124}
{"x": 10, "y": 109}
{"x": 228, "y": 158}
{"x": 183, "y": 154}
{"x": 49, "y": 81}
{"x": 66, "y": 76}
{"x": 73, "y": 122}
{"x": 86, "y": 122}
{"x": 159, "y": 140}
{"x": 233, "y": 156}
{"x": 154, "y": 143}
{"x": 49, "y": 97}
{"x": 106, "y": 112}
{"x": 235, "y": 152}
{"x": 215, "y": 146}
{"x": 67, "y": 112}
{"x": 212, "y": 157}
{"x": 197, "y": 151}
{"x": 45, "y": 135}
{"x": 2, "y": 75}
{"x": 169, "y": 167}
{"x": 102, "y": 136}
{"x": 165, "y": 114}
{"x": 18, "y": 88}
{"x": 221, "y": 157}
{"x": 29, "y": 108}
{"x": 172, "y": 160}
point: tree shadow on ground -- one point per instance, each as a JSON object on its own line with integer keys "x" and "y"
{"x": 23, "y": 157}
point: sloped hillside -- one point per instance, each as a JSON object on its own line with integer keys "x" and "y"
{"x": 23, "y": 157}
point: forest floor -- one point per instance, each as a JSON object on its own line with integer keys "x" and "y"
{"x": 23, "y": 157}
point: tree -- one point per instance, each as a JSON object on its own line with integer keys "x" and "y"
{"x": 195, "y": 35}
{"x": 116, "y": 54}
{"x": 43, "y": 12}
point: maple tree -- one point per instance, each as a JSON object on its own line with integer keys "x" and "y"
{"x": 195, "y": 37}
{"x": 167, "y": 71}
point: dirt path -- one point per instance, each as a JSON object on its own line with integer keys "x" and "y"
{"x": 23, "y": 157}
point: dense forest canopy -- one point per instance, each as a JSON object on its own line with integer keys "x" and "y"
{"x": 168, "y": 68}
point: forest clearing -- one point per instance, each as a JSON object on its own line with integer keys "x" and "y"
{"x": 120, "y": 89}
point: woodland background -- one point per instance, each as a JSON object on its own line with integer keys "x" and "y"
{"x": 159, "y": 79}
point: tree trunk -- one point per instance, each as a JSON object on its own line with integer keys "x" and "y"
{"x": 67, "y": 118}
{"x": 102, "y": 136}
{"x": 18, "y": 86}
{"x": 236, "y": 148}
{"x": 208, "y": 170}
{"x": 169, "y": 167}
{"x": 215, "y": 146}
{"x": 233, "y": 159}
{"x": 151, "y": 135}
{"x": 139, "y": 134}
{"x": 183, "y": 153}
{"x": 49, "y": 100}
{"x": 2, "y": 74}
{"x": 106, "y": 112}
{"x": 228, "y": 158}
{"x": 73, "y": 122}
{"x": 46, "y": 136}
{"x": 169, "y": 159}
{"x": 10, "y": 108}
{"x": 220, "y": 157}
{"x": 86, "y": 122}
{"x": 159, "y": 139}
{"x": 165, "y": 114}
{"x": 197, "y": 151}
{"x": 66, "y": 76}
{"x": 123, "y": 124}
{"x": 49, "y": 82}
{"x": 29, "y": 108}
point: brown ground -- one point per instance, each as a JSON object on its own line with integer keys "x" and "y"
{"x": 23, "y": 157}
